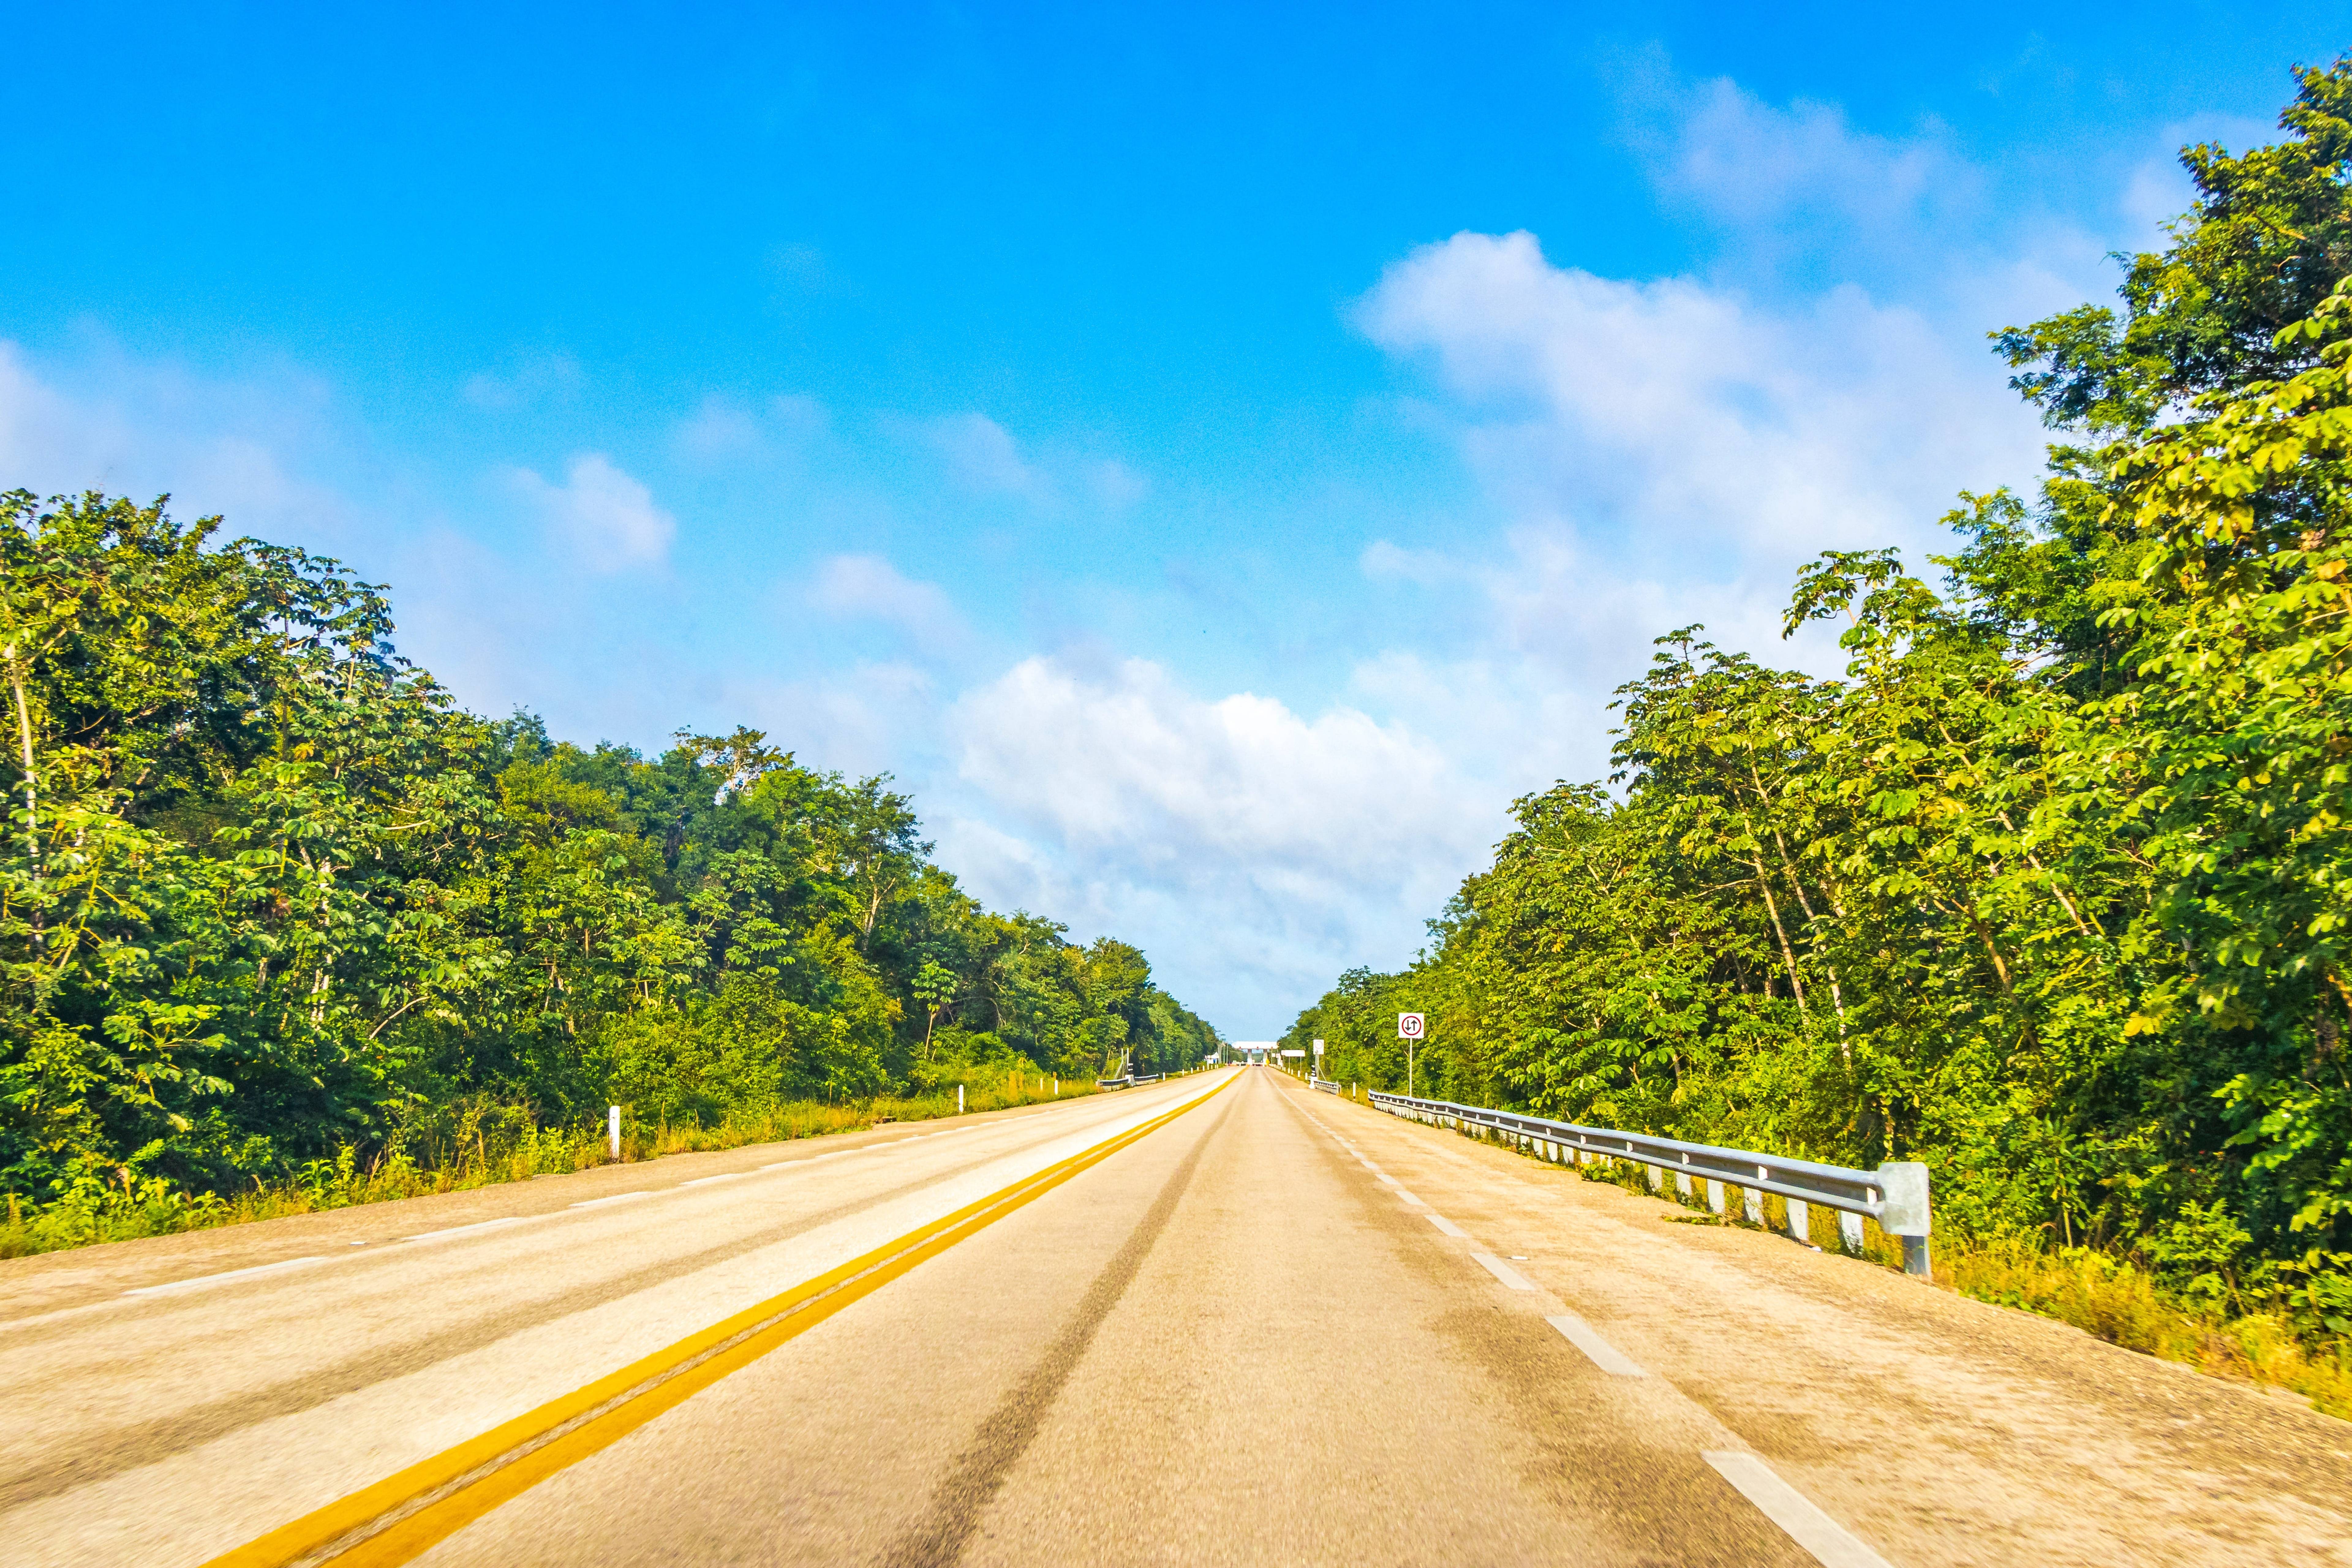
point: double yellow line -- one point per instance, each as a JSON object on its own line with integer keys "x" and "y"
{"x": 405, "y": 1514}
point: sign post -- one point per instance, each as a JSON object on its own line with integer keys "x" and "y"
{"x": 1319, "y": 1058}
{"x": 1409, "y": 1029}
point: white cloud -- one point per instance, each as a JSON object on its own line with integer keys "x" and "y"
{"x": 1122, "y": 761}
{"x": 1804, "y": 176}
{"x": 867, "y": 587}
{"x": 982, "y": 456}
{"x": 722, "y": 429}
{"x": 146, "y": 428}
{"x": 608, "y": 519}
{"x": 1654, "y": 454}
{"x": 1684, "y": 428}
{"x": 1232, "y": 836}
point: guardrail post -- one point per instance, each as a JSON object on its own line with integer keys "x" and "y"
{"x": 1905, "y": 1212}
{"x": 1751, "y": 1205}
{"x": 1658, "y": 1178}
{"x": 1682, "y": 1183}
{"x": 1849, "y": 1232}
{"x": 1715, "y": 1195}
{"x": 1798, "y": 1219}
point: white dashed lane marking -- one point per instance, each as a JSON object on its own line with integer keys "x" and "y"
{"x": 1502, "y": 1271}
{"x": 469, "y": 1229}
{"x": 1445, "y": 1224}
{"x": 1793, "y": 1511}
{"x": 201, "y": 1280}
{"x": 1603, "y": 1354}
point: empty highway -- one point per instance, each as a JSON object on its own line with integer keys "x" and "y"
{"x": 1219, "y": 1319}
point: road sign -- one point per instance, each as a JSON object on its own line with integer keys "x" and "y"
{"x": 1294, "y": 1053}
{"x": 1319, "y": 1047}
{"x": 1409, "y": 1026}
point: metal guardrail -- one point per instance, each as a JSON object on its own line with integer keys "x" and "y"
{"x": 1895, "y": 1195}
{"x": 1329, "y": 1086}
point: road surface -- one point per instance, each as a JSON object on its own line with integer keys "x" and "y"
{"x": 1219, "y": 1320}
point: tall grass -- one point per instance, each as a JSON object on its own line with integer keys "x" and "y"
{"x": 478, "y": 1145}
{"x": 2108, "y": 1296}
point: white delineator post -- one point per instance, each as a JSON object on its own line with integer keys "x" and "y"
{"x": 613, "y": 1130}
{"x": 958, "y": 1100}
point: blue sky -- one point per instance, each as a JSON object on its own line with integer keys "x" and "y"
{"x": 1215, "y": 456}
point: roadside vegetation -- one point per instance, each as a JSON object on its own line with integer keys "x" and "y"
{"x": 2052, "y": 889}
{"x": 280, "y": 924}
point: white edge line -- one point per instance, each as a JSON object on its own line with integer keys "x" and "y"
{"x": 462, "y": 1229}
{"x": 721, "y": 1176}
{"x": 201, "y": 1280}
{"x": 1599, "y": 1351}
{"x": 1794, "y": 1512}
{"x": 1441, "y": 1223}
{"x": 1502, "y": 1271}
{"x": 615, "y": 1199}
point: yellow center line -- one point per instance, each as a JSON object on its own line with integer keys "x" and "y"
{"x": 405, "y": 1514}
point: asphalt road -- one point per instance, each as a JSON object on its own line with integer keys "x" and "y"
{"x": 1219, "y": 1319}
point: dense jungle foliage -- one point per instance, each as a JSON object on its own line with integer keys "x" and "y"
{"x": 2053, "y": 890}
{"x": 268, "y": 896}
